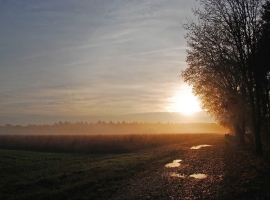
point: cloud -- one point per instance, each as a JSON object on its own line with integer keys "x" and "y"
{"x": 157, "y": 51}
{"x": 90, "y": 57}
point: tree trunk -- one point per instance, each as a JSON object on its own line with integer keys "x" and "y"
{"x": 240, "y": 135}
{"x": 258, "y": 143}
{"x": 258, "y": 116}
{"x": 256, "y": 119}
{"x": 243, "y": 116}
{"x": 242, "y": 138}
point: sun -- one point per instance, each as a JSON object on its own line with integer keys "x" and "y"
{"x": 184, "y": 101}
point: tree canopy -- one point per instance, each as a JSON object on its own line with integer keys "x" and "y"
{"x": 228, "y": 60}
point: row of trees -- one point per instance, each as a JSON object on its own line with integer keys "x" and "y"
{"x": 229, "y": 64}
{"x": 84, "y": 123}
{"x": 82, "y": 128}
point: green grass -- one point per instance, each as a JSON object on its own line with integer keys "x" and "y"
{"x": 89, "y": 173}
{"x": 37, "y": 175}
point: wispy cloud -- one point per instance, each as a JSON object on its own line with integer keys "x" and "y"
{"x": 90, "y": 57}
{"x": 156, "y": 51}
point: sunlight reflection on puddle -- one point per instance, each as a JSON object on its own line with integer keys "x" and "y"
{"x": 200, "y": 146}
{"x": 197, "y": 176}
{"x": 173, "y": 174}
{"x": 175, "y": 163}
{"x": 200, "y": 176}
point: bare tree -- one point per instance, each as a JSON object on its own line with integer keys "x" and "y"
{"x": 223, "y": 63}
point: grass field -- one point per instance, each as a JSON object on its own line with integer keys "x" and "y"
{"x": 93, "y": 167}
{"x": 94, "y": 143}
{"x": 86, "y": 173}
{"x": 36, "y": 175}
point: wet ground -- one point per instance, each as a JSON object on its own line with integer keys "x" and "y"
{"x": 175, "y": 163}
{"x": 176, "y": 182}
{"x": 199, "y": 174}
{"x": 200, "y": 146}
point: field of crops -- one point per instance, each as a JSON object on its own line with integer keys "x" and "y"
{"x": 104, "y": 167}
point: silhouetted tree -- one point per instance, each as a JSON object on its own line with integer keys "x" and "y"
{"x": 263, "y": 71}
{"x": 223, "y": 62}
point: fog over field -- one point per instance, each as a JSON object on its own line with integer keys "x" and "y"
{"x": 162, "y": 117}
{"x": 134, "y": 99}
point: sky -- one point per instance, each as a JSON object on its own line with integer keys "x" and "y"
{"x": 92, "y": 58}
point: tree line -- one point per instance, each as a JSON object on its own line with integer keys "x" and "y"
{"x": 101, "y": 127}
{"x": 229, "y": 64}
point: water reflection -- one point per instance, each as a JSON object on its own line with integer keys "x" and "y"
{"x": 175, "y": 163}
{"x": 199, "y": 176}
{"x": 173, "y": 174}
{"x": 200, "y": 146}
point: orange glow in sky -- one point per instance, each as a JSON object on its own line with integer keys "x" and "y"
{"x": 184, "y": 101}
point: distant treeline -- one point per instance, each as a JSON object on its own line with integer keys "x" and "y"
{"x": 83, "y": 128}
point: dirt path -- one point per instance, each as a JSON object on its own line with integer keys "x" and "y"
{"x": 232, "y": 173}
{"x": 163, "y": 185}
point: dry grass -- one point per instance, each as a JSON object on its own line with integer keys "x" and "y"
{"x": 135, "y": 175}
{"x": 95, "y": 143}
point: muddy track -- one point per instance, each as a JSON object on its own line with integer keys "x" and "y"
{"x": 214, "y": 161}
{"x": 163, "y": 185}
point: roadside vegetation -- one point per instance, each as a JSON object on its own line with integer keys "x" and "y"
{"x": 84, "y": 170}
{"x": 229, "y": 65}
{"x": 56, "y": 168}
{"x": 94, "y": 143}
{"x": 39, "y": 175}
{"x": 111, "y": 128}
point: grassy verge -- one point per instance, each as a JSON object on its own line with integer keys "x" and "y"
{"x": 37, "y": 175}
{"x": 96, "y": 144}
{"x": 86, "y": 174}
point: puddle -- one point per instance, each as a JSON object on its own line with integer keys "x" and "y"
{"x": 200, "y": 146}
{"x": 173, "y": 174}
{"x": 199, "y": 176}
{"x": 175, "y": 163}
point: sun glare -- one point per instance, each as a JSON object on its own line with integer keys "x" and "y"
{"x": 184, "y": 102}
